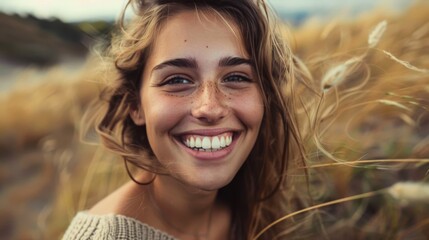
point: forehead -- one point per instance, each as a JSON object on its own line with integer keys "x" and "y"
{"x": 191, "y": 31}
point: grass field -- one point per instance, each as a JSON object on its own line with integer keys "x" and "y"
{"x": 372, "y": 132}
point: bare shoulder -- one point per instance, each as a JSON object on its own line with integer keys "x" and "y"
{"x": 125, "y": 200}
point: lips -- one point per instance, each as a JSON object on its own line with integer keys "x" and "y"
{"x": 207, "y": 143}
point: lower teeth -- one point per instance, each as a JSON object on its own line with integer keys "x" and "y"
{"x": 206, "y": 150}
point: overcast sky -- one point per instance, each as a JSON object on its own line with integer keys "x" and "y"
{"x": 74, "y": 10}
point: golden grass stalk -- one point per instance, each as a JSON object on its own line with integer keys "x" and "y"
{"x": 89, "y": 179}
{"x": 377, "y": 33}
{"x": 342, "y": 200}
{"x": 362, "y": 162}
{"x": 405, "y": 63}
{"x": 339, "y": 73}
{"x": 410, "y": 192}
{"x": 393, "y": 103}
{"x": 401, "y": 191}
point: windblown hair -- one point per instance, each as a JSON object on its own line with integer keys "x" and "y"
{"x": 253, "y": 194}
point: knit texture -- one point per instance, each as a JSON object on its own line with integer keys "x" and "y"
{"x": 85, "y": 226}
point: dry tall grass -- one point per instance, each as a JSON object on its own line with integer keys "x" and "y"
{"x": 372, "y": 127}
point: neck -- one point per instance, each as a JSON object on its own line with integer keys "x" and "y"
{"x": 185, "y": 210}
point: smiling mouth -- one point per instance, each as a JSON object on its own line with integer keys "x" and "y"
{"x": 208, "y": 143}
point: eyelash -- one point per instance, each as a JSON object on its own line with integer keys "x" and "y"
{"x": 174, "y": 80}
{"x": 238, "y": 77}
{"x": 178, "y": 79}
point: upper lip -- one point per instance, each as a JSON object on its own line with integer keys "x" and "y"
{"x": 207, "y": 132}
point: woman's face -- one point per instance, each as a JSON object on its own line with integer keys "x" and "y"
{"x": 200, "y": 100}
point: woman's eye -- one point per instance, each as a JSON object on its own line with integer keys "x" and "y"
{"x": 177, "y": 80}
{"x": 177, "y": 84}
{"x": 237, "y": 78}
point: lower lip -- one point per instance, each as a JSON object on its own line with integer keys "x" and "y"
{"x": 211, "y": 156}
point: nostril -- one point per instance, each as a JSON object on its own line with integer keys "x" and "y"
{"x": 209, "y": 113}
{"x": 209, "y": 120}
{"x": 205, "y": 119}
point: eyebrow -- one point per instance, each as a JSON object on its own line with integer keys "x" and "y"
{"x": 178, "y": 62}
{"x": 192, "y": 62}
{"x": 234, "y": 61}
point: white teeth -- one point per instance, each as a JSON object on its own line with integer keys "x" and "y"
{"x": 206, "y": 143}
{"x": 228, "y": 140}
{"x": 222, "y": 142}
{"x": 192, "y": 143}
{"x": 198, "y": 142}
{"x": 215, "y": 143}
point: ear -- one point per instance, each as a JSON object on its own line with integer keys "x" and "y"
{"x": 137, "y": 115}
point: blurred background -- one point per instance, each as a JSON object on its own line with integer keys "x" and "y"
{"x": 48, "y": 78}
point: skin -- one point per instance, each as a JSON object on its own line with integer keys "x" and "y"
{"x": 201, "y": 94}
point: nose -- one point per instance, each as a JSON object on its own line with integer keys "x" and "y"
{"x": 209, "y": 105}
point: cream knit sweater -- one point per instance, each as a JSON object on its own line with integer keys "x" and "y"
{"x": 85, "y": 226}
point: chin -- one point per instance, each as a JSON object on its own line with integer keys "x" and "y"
{"x": 210, "y": 183}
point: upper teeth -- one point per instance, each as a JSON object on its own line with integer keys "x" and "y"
{"x": 208, "y": 142}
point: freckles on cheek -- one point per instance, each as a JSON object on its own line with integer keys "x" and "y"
{"x": 249, "y": 109}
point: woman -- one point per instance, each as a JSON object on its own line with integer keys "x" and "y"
{"x": 199, "y": 105}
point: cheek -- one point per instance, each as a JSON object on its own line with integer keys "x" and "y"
{"x": 163, "y": 113}
{"x": 250, "y": 109}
